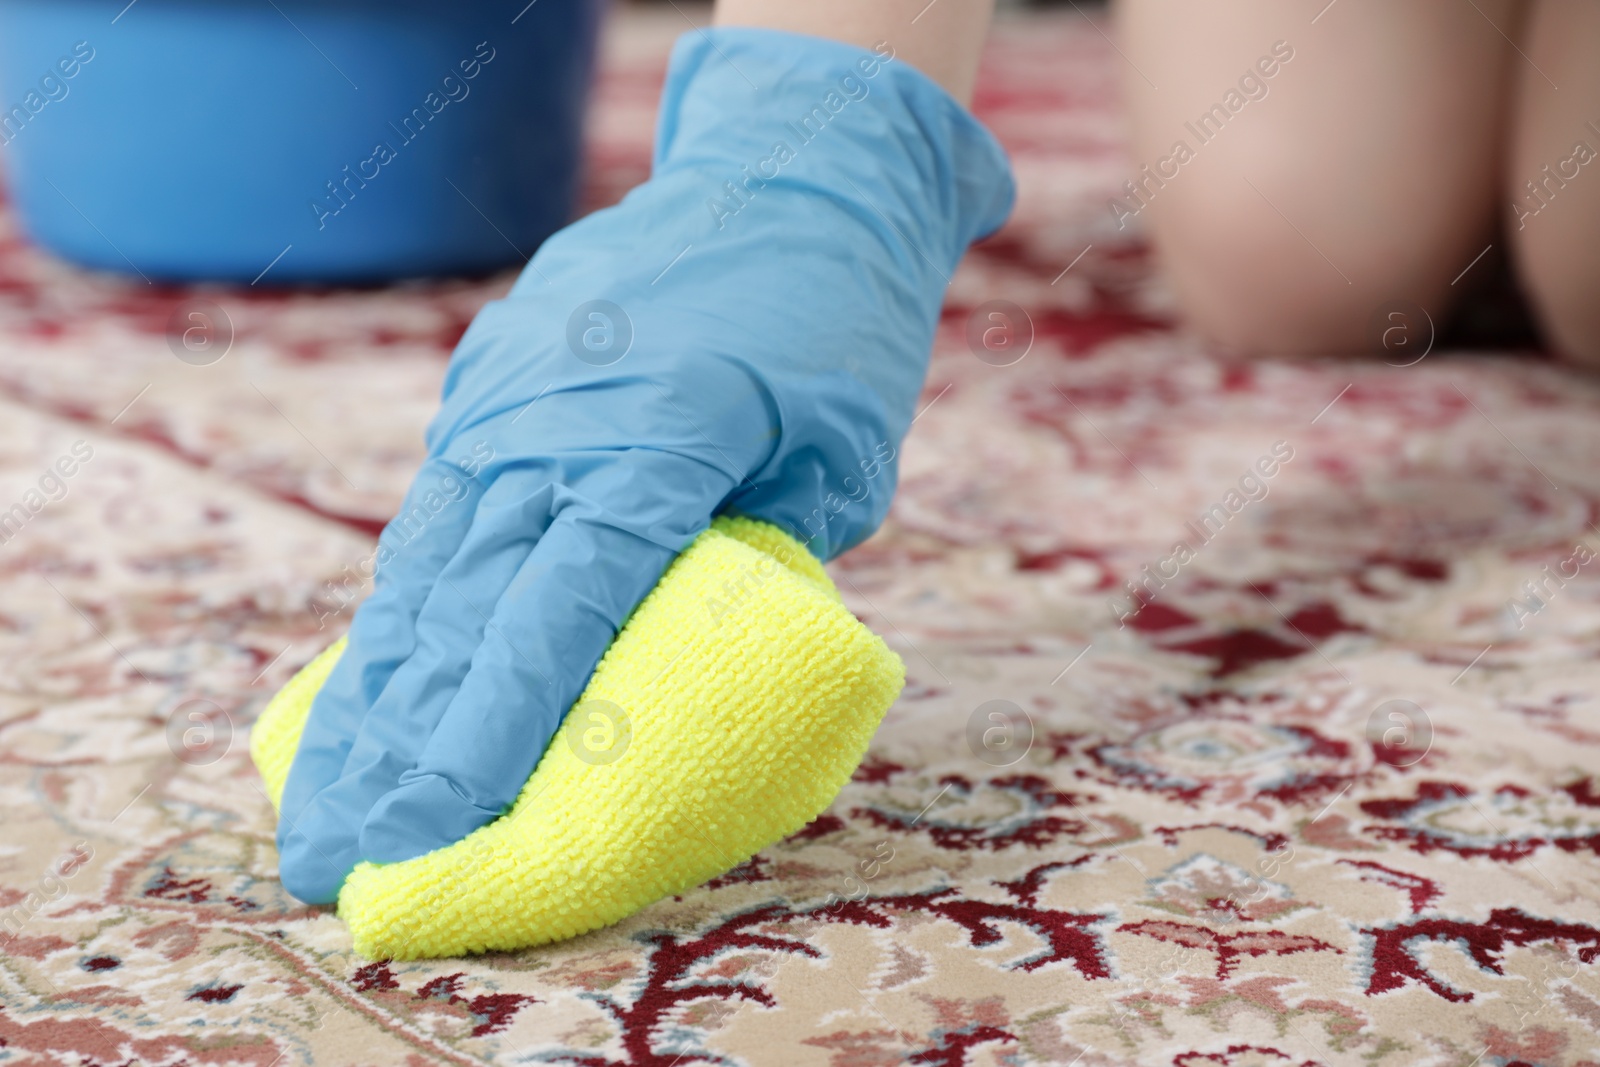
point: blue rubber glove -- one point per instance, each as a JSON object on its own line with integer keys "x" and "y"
{"x": 748, "y": 331}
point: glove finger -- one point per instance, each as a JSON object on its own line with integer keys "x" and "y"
{"x": 413, "y": 548}
{"x": 577, "y": 588}
{"x": 321, "y": 847}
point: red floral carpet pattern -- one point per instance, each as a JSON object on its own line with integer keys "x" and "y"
{"x": 1325, "y": 798}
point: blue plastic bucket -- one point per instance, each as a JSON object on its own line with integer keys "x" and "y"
{"x": 293, "y": 140}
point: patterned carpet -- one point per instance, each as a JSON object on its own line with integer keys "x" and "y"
{"x": 1331, "y": 797}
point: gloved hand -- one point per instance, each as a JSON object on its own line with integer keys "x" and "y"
{"x": 748, "y": 331}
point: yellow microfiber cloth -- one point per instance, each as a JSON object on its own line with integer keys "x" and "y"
{"x": 747, "y": 696}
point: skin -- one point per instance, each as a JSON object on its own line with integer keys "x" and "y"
{"x": 1555, "y": 251}
{"x": 1383, "y": 160}
{"x": 943, "y": 40}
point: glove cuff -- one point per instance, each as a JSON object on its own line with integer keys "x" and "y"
{"x": 752, "y": 108}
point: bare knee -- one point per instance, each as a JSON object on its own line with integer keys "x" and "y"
{"x": 1560, "y": 274}
{"x": 1554, "y": 178}
{"x": 1252, "y": 282}
{"x": 1350, "y": 174}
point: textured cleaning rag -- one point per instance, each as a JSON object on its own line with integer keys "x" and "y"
{"x": 729, "y": 712}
